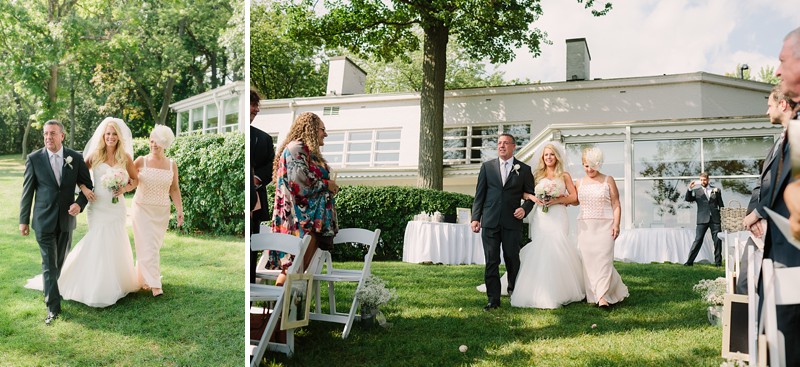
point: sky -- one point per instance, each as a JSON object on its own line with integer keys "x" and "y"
{"x": 655, "y": 37}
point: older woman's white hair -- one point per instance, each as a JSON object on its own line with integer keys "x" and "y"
{"x": 163, "y": 136}
{"x": 593, "y": 157}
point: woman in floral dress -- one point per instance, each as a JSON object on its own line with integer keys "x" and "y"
{"x": 304, "y": 191}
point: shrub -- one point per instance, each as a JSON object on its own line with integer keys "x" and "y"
{"x": 388, "y": 208}
{"x": 212, "y": 181}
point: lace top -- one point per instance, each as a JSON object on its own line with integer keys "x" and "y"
{"x": 154, "y": 185}
{"x": 595, "y": 199}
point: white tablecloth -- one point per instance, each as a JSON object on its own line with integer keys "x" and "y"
{"x": 646, "y": 245}
{"x": 444, "y": 243}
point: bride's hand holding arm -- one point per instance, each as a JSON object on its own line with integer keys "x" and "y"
{"x": 533, "y": 198}
{"x": 86, "y": 192}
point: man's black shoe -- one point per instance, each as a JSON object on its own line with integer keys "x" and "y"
{"x": 490, "y": 306}
{"x": 50, "y": 317}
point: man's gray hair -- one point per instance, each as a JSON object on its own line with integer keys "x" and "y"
{"x": 55, "y": 122}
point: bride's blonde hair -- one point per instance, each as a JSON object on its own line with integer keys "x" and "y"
{"x": 541, "y": 169}
{"x": 99, "y": 154}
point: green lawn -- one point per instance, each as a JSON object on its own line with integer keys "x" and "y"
{"x": 198, "y": 322}
{"x": 663, "y": 323}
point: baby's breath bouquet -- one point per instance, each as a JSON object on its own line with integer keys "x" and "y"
{"x": 371, "y": 296}
{"x": 713, "y": 291}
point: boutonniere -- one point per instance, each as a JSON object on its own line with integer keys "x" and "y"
{"x": 68, "y": 161}
{"x": 516, "y": 169}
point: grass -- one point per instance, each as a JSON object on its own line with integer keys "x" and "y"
{"x": 662, "y": 323}
{"x": 198, "y": 322}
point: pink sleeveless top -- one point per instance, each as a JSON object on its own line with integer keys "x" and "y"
{"x": 154, "y": 185}
{"x": 595, "y": 200}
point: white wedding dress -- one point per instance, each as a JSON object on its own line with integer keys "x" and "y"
{"x": 551, "y": 272}
{"x": 99, "y": 269}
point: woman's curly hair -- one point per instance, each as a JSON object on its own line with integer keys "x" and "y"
{"x": 541, "y": 170}
{"x": 305, "y": 129}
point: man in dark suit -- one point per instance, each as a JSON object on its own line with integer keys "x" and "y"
{"x": 773, "y": 185}
{"x": 709, "y": 200}
{"x": 496, "y": 209}
{"x": 780, "y": 111}
{"x": 262, "y": 154}
{"x": 51, "y": 175}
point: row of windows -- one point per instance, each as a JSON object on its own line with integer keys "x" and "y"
{"x": 206, "y": 119}
{"x": 368, "y": 148}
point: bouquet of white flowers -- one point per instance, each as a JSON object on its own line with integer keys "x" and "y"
{"x": 113, "y": 180}
{"x": 713, "y": 291}
{"x": 546, "y": 191}
{"x": 374, "y": 293}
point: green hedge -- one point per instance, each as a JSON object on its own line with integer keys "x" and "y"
{"x": 212, "y": 180}
{"x": 388, "y": 208}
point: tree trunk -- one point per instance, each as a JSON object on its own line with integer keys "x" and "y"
{"x": 52, "y": 91}
{"x": 22, "y": 120}
{"x": 431, "y": 122}
{"x": 162, "y": 116}
{"x": 72, "y": 112}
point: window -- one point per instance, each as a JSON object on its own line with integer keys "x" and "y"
{"x": 231, "y": 115}
{"x": 196, "y": 118}
{"x": 662, "y": 170}
{"x": 368, "y": 148}
{"x": 476, "y": 144}
{"x": 330, "y": 111}
{"x": 212, "y": 119}
{"x": 183, "y": 123}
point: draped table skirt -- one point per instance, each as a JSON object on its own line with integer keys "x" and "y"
{"x": 444, "y": 243}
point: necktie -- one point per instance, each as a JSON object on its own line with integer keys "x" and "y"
{"x": 505, "y": 172}
{"x": 55, "y": 162}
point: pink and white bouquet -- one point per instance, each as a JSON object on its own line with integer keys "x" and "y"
{"x": 546, "y": 191}
{"x": 113, "y": 180}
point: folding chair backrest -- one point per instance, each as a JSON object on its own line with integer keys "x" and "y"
{"x": 786, "y": 290}
{"x": 780, "y": 288}
{"x": 362, "y": 236}
{"x": 281, "y": 242}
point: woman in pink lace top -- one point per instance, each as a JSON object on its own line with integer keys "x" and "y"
{"x": 598, "y": 227}
{"x": 158, "y": 182}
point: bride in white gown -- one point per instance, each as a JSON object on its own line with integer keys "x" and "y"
{"x": 99, "y": 269}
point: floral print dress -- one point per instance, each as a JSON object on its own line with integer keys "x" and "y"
{"x": 303, "y": 202}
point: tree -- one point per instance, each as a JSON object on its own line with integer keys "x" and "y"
{"x": 384, "y": 30}
{"x": 279, "y": 66}
{"x": 765, "y": 74}
{"x": 402, "y": 75}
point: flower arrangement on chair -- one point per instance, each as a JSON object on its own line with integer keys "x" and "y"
{"x": 713, "y": 292}
{"x": 371, "y": 296}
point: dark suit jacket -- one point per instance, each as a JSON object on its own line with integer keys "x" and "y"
{"x": 262, "y": 155}
{"x": 707, "y": 208}
{"x": 52, "y": 201}
{"x": 777, "y": 247}
{"x": 495, "y": 203}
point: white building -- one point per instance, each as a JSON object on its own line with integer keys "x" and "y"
{"x": 657, "y": 133}
{"x": 215, "y": 111}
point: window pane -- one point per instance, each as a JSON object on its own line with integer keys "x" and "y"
{"x": 197, "y": 119}
{"x": 613, "y": 158}
{"x": 388, "y": 134}
{"x": 333, "y": 158}
{"x": 359, "y": 147}
{"x": 666, "y": 158}
{"x": 183, "y": 121}
{"x": 332, "y": 148}
{"x": 387, "y": 157}
{"x": 358, "y": 158}
{"x": 455, "y": 154}
{"x": 521, "y": 133}
{"x": 387, "y": 145}
{"x": 211, "y": 116}
{"x": 232, "y": 106}
{"x": 660, "y": 203}
{"x": 456, "y": 132}
{"x": 735, "y": 156}
{"x": 332, "y": 137}
{"x": 485, "y": 139}
{"x": 361, "y": 135}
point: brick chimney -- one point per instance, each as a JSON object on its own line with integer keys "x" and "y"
{"x": 578, "y": 59}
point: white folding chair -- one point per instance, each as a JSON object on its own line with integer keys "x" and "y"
{"x": 332, "y": 275}
{"x": 780, "y": 288}
{"x": 274, "y": 294}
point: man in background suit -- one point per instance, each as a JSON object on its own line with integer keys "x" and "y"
{"x": 709, "y": 200}
{"x": 779, "y": 110}
{"x": 262, "y": 155}
{"x": 52, "y": 175}
{"x": 496, "y": 209}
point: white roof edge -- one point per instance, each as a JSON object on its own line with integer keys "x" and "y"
{"x": 226, "y": 90}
